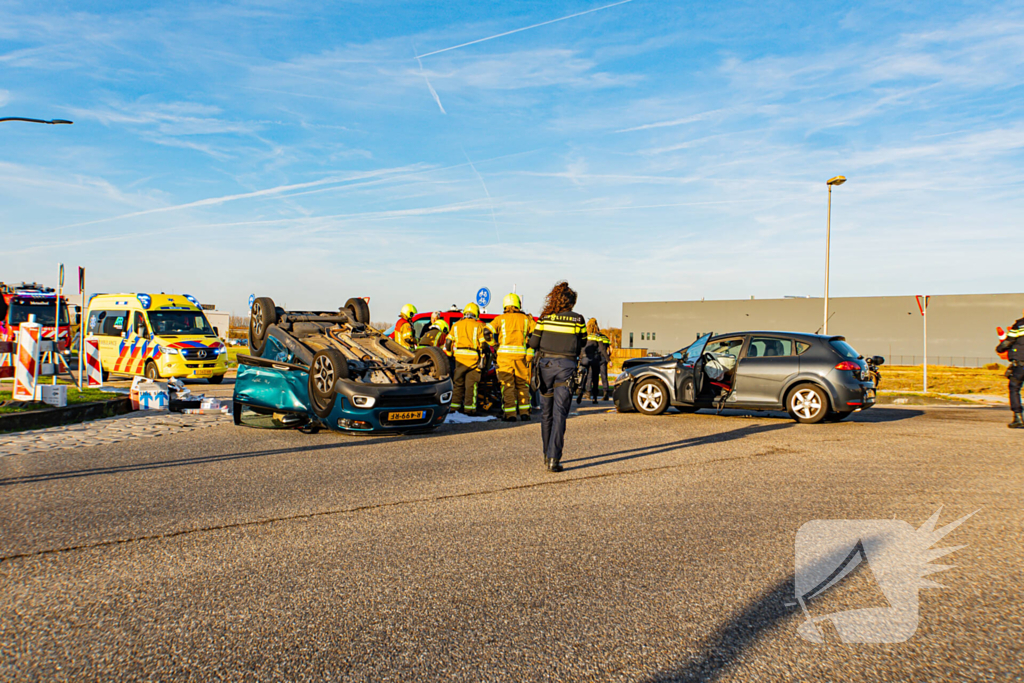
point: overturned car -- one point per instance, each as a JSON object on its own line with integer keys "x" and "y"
{"x": 330, "y": 369}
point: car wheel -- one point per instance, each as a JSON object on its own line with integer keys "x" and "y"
{"x": 261, "y": 317}
{"x": 327, "y": 368}
{"x": 359, "y": 309}
{"x": 807, "y": 404}
{"x": 216, "y": 379}
{"x": 650, "y": 397}
{"x": 151, "y": 371}
{"x": 439, "y": 362}
{"x": 834, "y": 416}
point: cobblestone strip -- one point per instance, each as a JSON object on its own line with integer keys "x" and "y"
{"x": 146, "y": 424}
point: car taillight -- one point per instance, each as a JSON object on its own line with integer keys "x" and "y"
{"x": 848, "y": 365}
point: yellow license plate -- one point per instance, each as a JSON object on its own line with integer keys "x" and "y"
{"x": 406, "y": 415}
{"x": 202, "y": 373}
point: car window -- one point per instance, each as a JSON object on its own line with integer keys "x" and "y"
{"x": 114, "y": 323}
{"x": 420, "y": 326}
{"x": 139, "y": 325}
{"x": 696, "y": 349}
{"x": 726, "y": 347}
{"x": 844, "y": 349}
{"x": 769, "y": 347}
{"x": 801, "y": 347}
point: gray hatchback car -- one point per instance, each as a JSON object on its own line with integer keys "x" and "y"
{"x": 812, "y": 377}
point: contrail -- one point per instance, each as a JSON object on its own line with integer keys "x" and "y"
{"x": 432, "y": 91}
{"x": 486, "y": 192}
{"x": 525, "y": 28}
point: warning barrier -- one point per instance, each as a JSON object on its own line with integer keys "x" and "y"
{"x": 26, "y": 362}
{"x": 93, "y": 369}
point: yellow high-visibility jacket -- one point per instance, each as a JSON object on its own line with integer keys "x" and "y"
{"x": 467, "y": 339}
{"x": 512, "y": 330}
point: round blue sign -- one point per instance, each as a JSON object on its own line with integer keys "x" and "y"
{"x": 483, "y": 297}
{"x": 252, "y": 298}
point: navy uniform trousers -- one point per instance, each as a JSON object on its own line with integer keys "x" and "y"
{"x": 1016, "y": 377}
{"x": 555, "y": 402}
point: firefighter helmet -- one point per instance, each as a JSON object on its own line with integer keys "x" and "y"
{"x": 512, "y": 301}
{"x": 471, "y": 311}
{"x": 408, "y": 311}
{"x": 440, "y": 324}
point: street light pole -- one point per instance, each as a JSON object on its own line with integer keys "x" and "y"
{"x": 50, "y": 122}
{"x": 838, "y": 180}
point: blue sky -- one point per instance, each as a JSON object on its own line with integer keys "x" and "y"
{"x": 646, "y": 151}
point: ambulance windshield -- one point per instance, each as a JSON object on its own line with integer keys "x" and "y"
{"x": 179, "y": 322}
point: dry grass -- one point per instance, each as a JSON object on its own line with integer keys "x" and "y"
{"x": 944, "y": 379}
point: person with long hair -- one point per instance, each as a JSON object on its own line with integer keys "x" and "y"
{"x": 556, "y": 340}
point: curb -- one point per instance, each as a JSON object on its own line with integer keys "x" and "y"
{"x": 55, "y": 417}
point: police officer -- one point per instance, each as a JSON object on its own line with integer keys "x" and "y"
{"x": 466, "y": 342}
{"x": 604, "y": 356}
{"x": 557, "y": 340}
{"x": 511, "y": 330}
{"x": 404, "y": 334}
{"x": 1012, "y": 344}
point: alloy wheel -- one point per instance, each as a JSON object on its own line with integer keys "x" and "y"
{"x": 257, "y": 322}
{"x": 806, "y": 403}
{"x": 650, "y": 397}
{"x": 323, "y": 374}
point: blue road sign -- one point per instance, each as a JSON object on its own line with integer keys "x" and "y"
{"x": 252, "y": 298}
{"x": 483, "y": 297}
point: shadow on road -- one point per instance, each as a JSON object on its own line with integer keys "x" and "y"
{"x": 870, "y": 415}
{"x": 629, "y": 454}
{"x": 182, "y": 462}
{"x": 722, "y": 650}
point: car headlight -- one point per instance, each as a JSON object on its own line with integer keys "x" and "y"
{"x": 623, "y": 376}
{"x": 446, "y": 397}
{"x": 363, "y": 401}
{"x": 172, "y": 352}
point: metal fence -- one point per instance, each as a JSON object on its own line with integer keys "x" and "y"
{"x": 951, "y": 361}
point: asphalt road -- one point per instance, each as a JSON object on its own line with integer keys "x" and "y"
{"x": 665, "y": 551}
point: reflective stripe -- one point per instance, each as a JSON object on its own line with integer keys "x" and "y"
{"x": 467, "y": 352}
{"x": 567, "y": 328}
{"x": 521, "y": 350}
{"x": 1015, "y": 333}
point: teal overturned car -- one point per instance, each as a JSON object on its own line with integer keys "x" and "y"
{"x": 330, "y": 369}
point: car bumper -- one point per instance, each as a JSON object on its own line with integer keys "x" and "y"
{"x": 176, "y": 366}
{"x": 397, "y": 408}
{"x": 852, "y": 394}
{"x": 622, "y": 395}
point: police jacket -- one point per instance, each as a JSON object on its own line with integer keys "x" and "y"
{"x": 559, "y": 335}
{"x": 1013, "y": 345}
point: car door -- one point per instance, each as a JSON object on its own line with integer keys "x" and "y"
{"x": 689, "y": 370}
{"x": 762, "y": 372}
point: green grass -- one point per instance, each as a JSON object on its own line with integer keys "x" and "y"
{"x": 233, "y": 352}
{"x": 74, "y": 396}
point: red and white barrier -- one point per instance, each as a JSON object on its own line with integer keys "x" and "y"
{"x": 26, "y": 363}
{"x": 93, "y": 369}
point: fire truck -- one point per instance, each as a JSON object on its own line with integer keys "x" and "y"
{"x": 17, "y": 303}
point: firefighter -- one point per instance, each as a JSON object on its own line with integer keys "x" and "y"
{"x": 404, "y": 333}
{"x": 1012, "y": 344}
{"x": 435, "y": 334}
{"x": 557, "y": 340}
{"x": 466, "y": 342}
{"x": 511, "y": 330}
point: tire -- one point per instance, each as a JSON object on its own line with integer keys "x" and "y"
{"x": 440, "y": 369}
{"x": 650, "y": 396}
{"x": 236, "y": 412}
{"x": 359, "y": 309}
{"x": 261, "y": 317}
{"x": 807, "y": 404}
{"x": 327, "y": 368}
{"x": 150, "y": 371}
{"x": 216, "y": 379}
{"x": 834, "y": 416}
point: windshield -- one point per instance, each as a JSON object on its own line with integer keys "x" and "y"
{"x": 43, "y": 311}
{"x": 179, "y": 322}
{"x": 844, "y": 349}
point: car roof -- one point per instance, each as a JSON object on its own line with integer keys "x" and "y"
{"x": 780, "y": 333}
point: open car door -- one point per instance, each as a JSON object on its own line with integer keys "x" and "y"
{"x": 689, "y": 371}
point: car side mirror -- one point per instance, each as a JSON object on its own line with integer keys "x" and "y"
{"x": 677, "y": 355}
{"x": 877, "y": 360}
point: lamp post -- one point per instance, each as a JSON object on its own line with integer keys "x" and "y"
{"x": 838, "y": 180}
{"x": 51, "y": 121}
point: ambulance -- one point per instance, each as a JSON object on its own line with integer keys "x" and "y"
{"x": 156, "y": 335}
